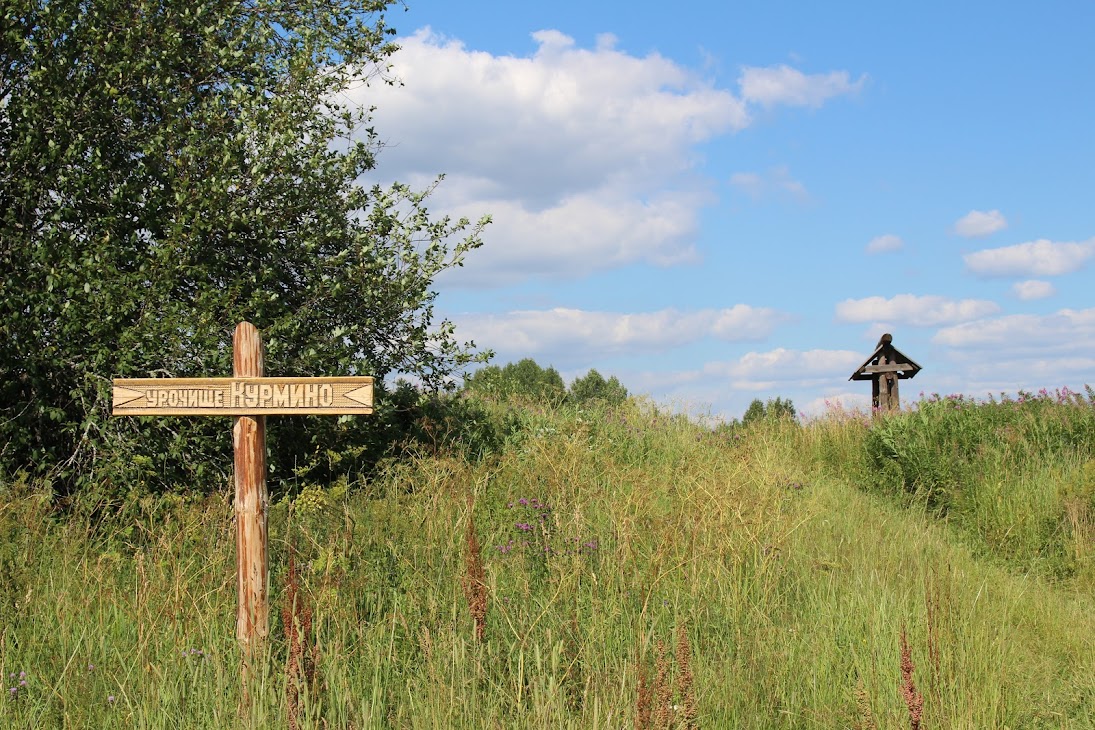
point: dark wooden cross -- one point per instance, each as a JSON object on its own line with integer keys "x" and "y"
{"x": 884, "y": 368}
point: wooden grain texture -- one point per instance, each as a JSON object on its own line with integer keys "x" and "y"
{"x": 887, "y": 368}
{"x": 895, "y": 398}
{"x": 883, "y": 386}
{"x": 239, "y": 396}
{"x": 252, "y": 559}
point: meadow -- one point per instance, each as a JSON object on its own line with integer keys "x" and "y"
{"x": 593, "y": 567}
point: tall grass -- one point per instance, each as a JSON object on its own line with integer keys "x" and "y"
{"x": 772, "y": 570}
{"x": 1016, "y": 477}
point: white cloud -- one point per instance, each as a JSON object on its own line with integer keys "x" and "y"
{"x": 885, "y": 243}
{"x": 585, "y": 157}
{"x": 727, "y": 387}
{"x": 775, "y": 85}
{"x": 1015, "y": 352}
{"x": 1033, "y": 289}
{"x": 1067, "y": 330}
{"x": 580, "y": 235}
{"x": 979, "y": 223}
{"x": 1031, "y": 373}
{"x": 841, "y": 402}
{"x": 777, "y": 181}
{"x": 916, "y": 311}
{"x": 1036, "y": 258}
{"x": 568, "y": 333}
{"x": 562, "y": 121}
{"x": 793, "y": 368}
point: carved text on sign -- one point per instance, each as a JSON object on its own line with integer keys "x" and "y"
{"x": 242, "y": 396}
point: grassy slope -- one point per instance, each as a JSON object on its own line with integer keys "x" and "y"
{"x": 791, "y": 581}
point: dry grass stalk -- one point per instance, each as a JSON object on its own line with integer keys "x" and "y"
{"x": 865, "y": 719}
{"x": 685, "y": 680}
{"x": 642, "y": 704}
{"x": 663, "y": 688}
{"x": 913, "y": 699}
{"x": 475, "y": 579}
{"x": 655, "y": 707}
{"x": 296, "y": 622}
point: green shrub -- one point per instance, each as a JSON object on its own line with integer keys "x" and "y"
{"x": 944, "y": 445}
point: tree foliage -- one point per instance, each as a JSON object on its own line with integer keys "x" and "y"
{"x": 528, "y": 380}
{"x": 524, "y": 379}
{"x": 774, "y": 409}
{"x": 169, "y": 168}
{"x": 593, "y": 386}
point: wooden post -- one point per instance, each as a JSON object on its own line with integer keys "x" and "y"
{"x": 883, "y": 386}
{"x": 252, "y": 564}
{"x": 249, "y": 397}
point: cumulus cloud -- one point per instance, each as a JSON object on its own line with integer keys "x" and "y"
{"x": 784, "y": 85}
{"x": 730, "y": 385}
{"x": 1064, "y": 330}
{"x": 568, "y": 148}
{"x": 1027, "y": 351}
{"x": 913, "y": 310}
{"x": 1036, "y": 258}
{"x": 1031, "y": 373}
{"x": 789, "y": 368}
{"x": 581, "y": 235}
{"x": 776, "y": 181}
{"x": 564, "y": 120}
{"x": 885, "y": 243}
{"x": 1033, "y": 289}
{"x": 979, "y": 223}
{"x": 563, "y": 332}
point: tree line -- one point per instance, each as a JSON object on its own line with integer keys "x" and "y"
{"x": 527, "y": 379}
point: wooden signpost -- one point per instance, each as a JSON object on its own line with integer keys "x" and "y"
{"x": 249, "y": 397}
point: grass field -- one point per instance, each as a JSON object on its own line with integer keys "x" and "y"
{"x": 606, "y": 568}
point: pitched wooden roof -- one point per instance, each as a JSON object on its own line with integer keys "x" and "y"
{"x": 896, "y": 362}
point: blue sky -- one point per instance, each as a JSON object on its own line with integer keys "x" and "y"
{"x": 726, "y": 201}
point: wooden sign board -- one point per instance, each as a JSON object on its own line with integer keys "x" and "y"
{"x": 250, "y": 397}
{"x": 242, "y": 396}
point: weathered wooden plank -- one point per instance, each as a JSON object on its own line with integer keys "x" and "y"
{"x": 240, "y": 396}
{"x": 888, "y": 368}
{"x": 252, "y": 563}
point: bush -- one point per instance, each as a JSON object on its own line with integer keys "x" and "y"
{"x": 943, "y": 444}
